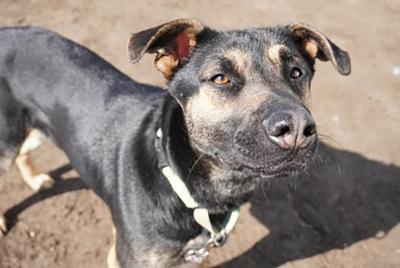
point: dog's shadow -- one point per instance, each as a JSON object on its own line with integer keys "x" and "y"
{"x": 60, "y": 186}
{"x": 347, "y": 198}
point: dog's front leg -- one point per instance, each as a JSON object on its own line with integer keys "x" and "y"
{"x": 3, "y": 225}
{"x": 29, "y": 174}
{"x": 112, "y": 261}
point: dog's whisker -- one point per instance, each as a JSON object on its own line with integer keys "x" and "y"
{"x": 328, "y": 139}
{"x": 264, "y": 193}
{"x": 194, "y": 165}
{"x": 338, "y": 167}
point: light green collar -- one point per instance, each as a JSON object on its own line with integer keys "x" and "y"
{"x": 200, "y": 215}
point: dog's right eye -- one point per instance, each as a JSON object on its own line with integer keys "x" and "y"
{"x": 220, "y": 79}
{"x": 295, "y": 73}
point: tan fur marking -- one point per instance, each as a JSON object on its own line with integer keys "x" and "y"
{"x": 166, "y": 64}
{"x": 157, "y": 258}
{"x": 27, "y": 170}
{"x": 306, "y": 98}
{"x": 240, "y": 59}
{"x": 33, "y": 141}
{"x": 191, "y": 35}
{"x": 165, "y": 61}
{"x": 207, "y": 110}
{"x": 274, "y": 54}
{"x": 252, "y": 100}
{"x": 210, "y": 69}
{"x": 112, "y": 261}
{"x": 3, "y": 225}
{"x": 207, "y": 105}
{"x": 311, "y": 48}
{"x": 136, "y": 51}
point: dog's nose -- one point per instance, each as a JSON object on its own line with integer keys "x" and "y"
{"x": 290, "y": 129}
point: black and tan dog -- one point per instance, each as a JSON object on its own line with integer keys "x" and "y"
{"x": 167, "y": 162}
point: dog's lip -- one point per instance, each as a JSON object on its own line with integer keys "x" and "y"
{"x": 285, "y": 169}
{"x": 286, "y": 166}
{"x": 289, "y": 165}
{"x": 282, "y": 170}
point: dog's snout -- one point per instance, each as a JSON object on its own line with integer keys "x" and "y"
{"x": 290, "y": 129}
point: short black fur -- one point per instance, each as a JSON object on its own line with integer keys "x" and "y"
{"x": 107, "y": 123}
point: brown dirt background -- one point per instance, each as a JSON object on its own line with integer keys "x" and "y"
{"x": 346, "y": 214}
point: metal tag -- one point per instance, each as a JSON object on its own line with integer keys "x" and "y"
{"x": 196, "y": 255}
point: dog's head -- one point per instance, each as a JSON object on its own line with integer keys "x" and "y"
{"x": 244, "y": 93}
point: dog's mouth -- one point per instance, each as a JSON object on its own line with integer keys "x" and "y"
{"x": 288, "y": 169}
{"x": 290, "y": 164}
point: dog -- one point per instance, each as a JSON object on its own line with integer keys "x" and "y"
{"x": 173, "y": 165}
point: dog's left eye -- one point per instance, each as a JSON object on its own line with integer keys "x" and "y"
{"x": 295, "y": 73}
{"x": 220, "y": 79}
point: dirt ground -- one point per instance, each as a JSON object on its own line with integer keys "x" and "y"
{"x": 346, "y": 213}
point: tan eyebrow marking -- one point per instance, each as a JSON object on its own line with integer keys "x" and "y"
{"x": 274, "y": 53}
{"x": 239, "y": 58}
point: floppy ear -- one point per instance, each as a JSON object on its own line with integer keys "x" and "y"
{"x": 317, "y": 45}
{"x": 173, "y": 42}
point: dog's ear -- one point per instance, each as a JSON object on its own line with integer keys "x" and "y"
{"x": 173, "y": 42}
{"x": 317, "y": 45}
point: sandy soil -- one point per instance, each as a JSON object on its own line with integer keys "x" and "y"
{"x": 345, "y": 214}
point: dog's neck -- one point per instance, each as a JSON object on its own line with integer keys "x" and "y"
{"x": 216, "y": 188}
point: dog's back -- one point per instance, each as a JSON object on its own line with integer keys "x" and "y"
{"x": 69, "y": 93}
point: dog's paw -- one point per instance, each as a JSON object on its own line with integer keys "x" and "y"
{"x": 3, "y": 225}
{"x": 41, "y": 181}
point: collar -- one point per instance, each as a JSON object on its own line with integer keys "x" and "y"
{"x": 218, "y": 231}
